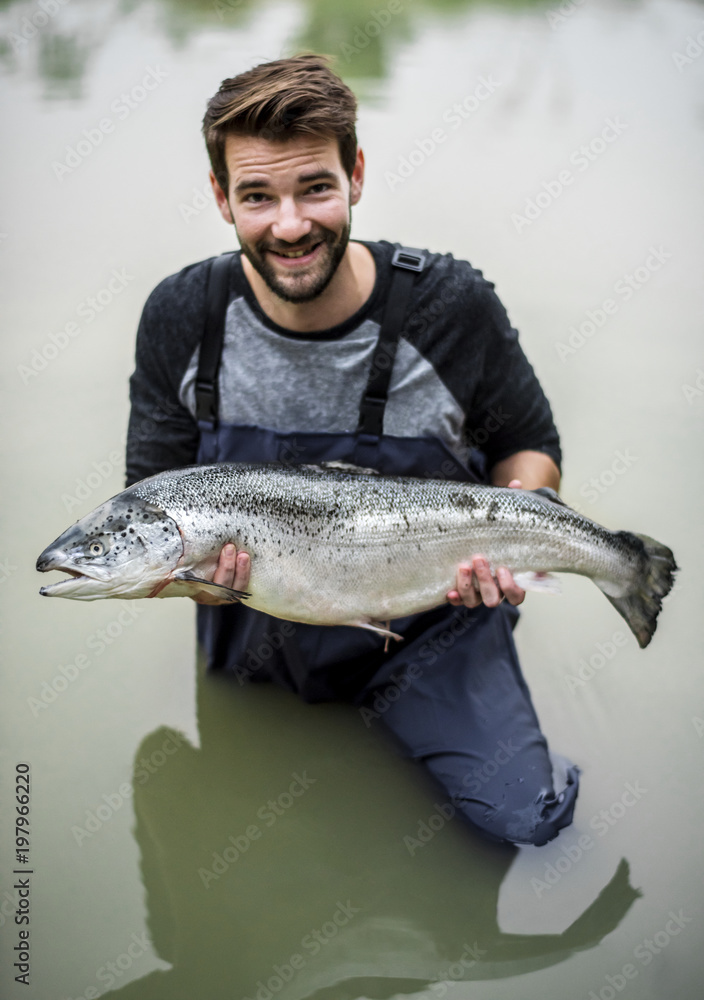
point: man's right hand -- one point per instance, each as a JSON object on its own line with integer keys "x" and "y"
{"x": 232, "y": 571}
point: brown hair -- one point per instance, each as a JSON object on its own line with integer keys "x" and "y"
{"x": 279, "y": 100}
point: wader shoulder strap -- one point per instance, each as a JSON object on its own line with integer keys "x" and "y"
{"x": 217, "y": 294}
{"x": 406, "y": 263}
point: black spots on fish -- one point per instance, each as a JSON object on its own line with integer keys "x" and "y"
{"x": 131, "y": 531}
{"x": 165, "y": 528}
{"x": 492, "y": 510}
{"x": 463, "y": 500}
{"x": 123, "y": 534}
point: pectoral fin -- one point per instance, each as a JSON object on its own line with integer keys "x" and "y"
{"x": 380, "y": 628}
{"x": 190, "y": 585}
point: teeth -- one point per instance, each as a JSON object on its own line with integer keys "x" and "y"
{"x": 294, "y": 253}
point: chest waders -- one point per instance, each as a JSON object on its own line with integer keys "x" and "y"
{"x": 452, "y": 692}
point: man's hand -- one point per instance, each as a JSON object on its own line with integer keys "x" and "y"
{"x": 232, "y": 571}
{"x": 475, "y": 584}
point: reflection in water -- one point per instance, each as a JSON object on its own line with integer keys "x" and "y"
{"x": 275, "y": 854}
{"x": 360, "y": 34}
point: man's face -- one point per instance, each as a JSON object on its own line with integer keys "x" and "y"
{"x": 290, "y": 203}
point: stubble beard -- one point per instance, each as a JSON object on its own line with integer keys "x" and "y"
{"x": 306, "y": 287}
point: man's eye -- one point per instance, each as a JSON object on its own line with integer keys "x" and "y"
{"x": 318, "y": 188}
{"x": 255, "y": 198}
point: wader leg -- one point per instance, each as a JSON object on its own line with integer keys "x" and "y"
{"x": 463, "y": 709}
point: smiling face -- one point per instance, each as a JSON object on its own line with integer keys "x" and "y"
{"x": 290, "y": 203}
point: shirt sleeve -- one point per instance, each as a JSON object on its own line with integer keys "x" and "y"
{"x": 509, "y": 412}
{"x": 162, "y": 433}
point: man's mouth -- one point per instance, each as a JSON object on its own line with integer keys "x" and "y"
{"x": 296, "y": 254}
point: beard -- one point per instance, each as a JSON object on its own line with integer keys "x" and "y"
{"x": 300, "y": 287}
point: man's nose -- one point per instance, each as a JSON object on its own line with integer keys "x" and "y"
{"x": 291, "y": 225}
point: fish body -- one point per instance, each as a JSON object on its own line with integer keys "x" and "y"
{"x": 334, "y": 546}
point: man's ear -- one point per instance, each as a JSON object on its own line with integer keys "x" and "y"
{"x": 357, "y": 178}
{"x": 221, "y": 200}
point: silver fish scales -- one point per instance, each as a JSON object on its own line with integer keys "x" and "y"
{"x": 340, "y": 546}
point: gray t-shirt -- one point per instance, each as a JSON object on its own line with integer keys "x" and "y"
{"x": 459, "y": 373}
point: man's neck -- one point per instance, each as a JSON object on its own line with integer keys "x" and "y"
{"x": 348, "y": 290}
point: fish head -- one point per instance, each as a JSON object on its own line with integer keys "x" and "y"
{"x": 126, "y": 547}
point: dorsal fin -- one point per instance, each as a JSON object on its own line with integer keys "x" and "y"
{"x": 550, "y": 494}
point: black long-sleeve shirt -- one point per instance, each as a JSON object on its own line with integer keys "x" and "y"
{"x": 459, "y": 375}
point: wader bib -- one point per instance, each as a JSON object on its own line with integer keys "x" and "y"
{"x": 452, "y": 692}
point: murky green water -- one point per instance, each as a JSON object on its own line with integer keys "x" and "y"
{"x": 191, "y": 837}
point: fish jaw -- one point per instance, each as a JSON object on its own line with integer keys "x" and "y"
{"x": 95, "y": 583}
{"x": 81, "y": 587}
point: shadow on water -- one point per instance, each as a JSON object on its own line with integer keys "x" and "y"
{"x": 274, "y": 863}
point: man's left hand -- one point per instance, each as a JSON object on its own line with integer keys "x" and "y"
{"x": 475, "y": 585}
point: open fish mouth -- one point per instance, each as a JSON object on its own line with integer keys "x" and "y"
{"x": 74, "y": 582}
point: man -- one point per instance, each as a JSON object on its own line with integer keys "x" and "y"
{"x": 308, "y": 347}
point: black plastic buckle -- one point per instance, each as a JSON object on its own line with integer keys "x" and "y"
{"x": 372, "y": 416}
{"x": 409, "y": 261}
{"x": 205, "y": 401}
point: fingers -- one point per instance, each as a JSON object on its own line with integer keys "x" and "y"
{"x": 485, "y": 583}
{"x": 232, "y": 571}
{"x": 225, "y": 569}
{"x": 466, "y": 593}
{"x": 242, "y": 569}
{"x": 515, "y": 484}
{"x": 512, "y": 592}
{"x": 476, "y": 585}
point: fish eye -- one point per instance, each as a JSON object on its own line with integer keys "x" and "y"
{"x": 96, "y": 548}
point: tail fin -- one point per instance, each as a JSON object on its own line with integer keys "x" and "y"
{"x": 642, "y": 606}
